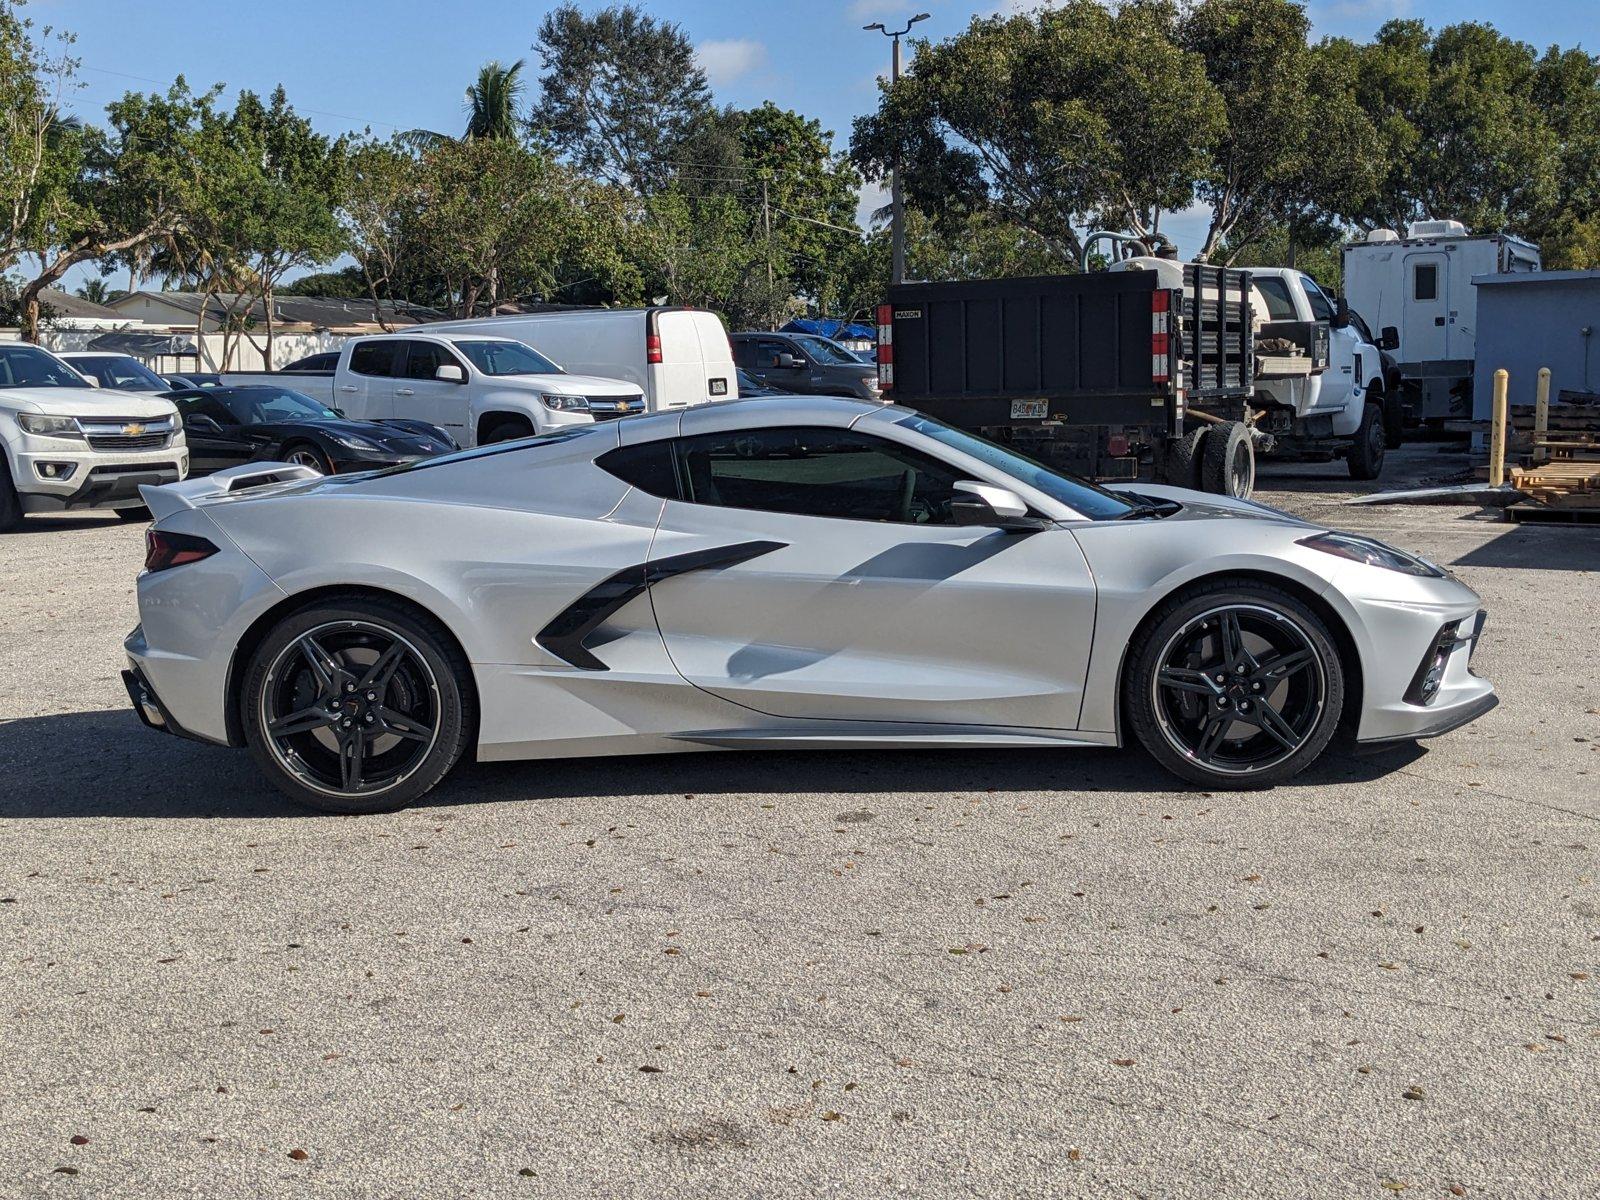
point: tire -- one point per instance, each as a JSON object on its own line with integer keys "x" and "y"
{"x": 1365, "y": 456}
{"x": 10, "y": 502}
{"x": 1394, "y": 419}
{"x": 1228, "y": 463}
{"x": 421, "y": 719}
{"x": 307, "y": 454}
{"x": 137, "y": 513}
{"x": 506, "y": 431}
{"x": 1182, "y": 467}
{"x": 1173, "y": 714}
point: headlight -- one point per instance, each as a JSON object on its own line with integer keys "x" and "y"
{"x": 1371, "y": 552}
{"x": 351, "y": 442}
{"x": 567, "y": 403}
{"x": 42, "y": 426}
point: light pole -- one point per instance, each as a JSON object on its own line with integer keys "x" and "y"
{"x": 897, "y": 218}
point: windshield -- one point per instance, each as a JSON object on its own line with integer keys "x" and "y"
{"x": 507, "y": 358}
{"x": 265, "y": 405}
{"x": 829, "y": 353}
{"x": 30, "y": 367}
{"x": 120, "y": 372}
{"x": 1078, "y": 494}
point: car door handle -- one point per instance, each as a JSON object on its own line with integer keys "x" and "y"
{"x": 405, "y": 391}
{"x": 347, "y": 387}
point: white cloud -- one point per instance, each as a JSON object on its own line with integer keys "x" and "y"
{"x": 727, "y": 59}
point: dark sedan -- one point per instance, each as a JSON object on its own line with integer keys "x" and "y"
{"x": 232, "y": 425}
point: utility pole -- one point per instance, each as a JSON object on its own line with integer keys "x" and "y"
{"x": 766, "y": 225}
{"x": 897, "y": 210}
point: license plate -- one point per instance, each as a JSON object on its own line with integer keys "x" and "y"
{"x": 719, "y": 387}
{"x": 1028, "y": 410}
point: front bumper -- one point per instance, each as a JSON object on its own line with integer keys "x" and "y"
{"x": 1442, "y": 692}
{"x": 52, "y": 476}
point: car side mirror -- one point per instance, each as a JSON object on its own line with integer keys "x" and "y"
{"x": 450, "y": 373}
{"x": 1389, "y": 338}
{"x": 90, "y": 381}
{"x": 200, "y": 423}
{"x": 789, "y": 362}
{"x": 1341, "y": 313}
{"x": 989, "y": 504}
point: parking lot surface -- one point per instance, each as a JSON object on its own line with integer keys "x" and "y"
{"x": 1020, "y": 973}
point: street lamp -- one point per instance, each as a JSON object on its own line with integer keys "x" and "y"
{"x": 897, "y": 219}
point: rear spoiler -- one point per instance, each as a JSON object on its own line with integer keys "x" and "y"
{"x": 191, "y": 493}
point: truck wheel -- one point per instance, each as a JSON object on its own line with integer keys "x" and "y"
{"x": 1182, "y": 468}
{"x": 1394, "y": 418}
{"x": 1228, "y": 466}
{"x": 10, "y": 504}
{"x": 1365, "y": 455}
{"x": 506, "y": 431}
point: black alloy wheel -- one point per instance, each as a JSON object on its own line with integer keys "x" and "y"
{"x": 1236, "y": 686}
{"x": 304, "y": 454}
{"x": 356, "y": 710}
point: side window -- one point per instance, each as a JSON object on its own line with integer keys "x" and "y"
{"x": 767, "y": 351}
{"x": 743, "y": 352}
{"x": 376, "y": 357}
{"x": 648, "y": 466}
{"x": 1425, "y": 281}
{"x": 205, "y": 406}
{"x": 1321, "y": 310}
{"x": 423, "y": 359}
{"x": 810, "y": 472}
{"x": 1276, "y": 294}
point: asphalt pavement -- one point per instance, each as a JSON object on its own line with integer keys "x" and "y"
{"x": 986, "y": 974}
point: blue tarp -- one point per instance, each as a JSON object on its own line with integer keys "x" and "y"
{"x": 832, "y": 327}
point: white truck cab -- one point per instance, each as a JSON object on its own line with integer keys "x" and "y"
{"x": 478, "y": 387}
{"x": 71, "y": 445}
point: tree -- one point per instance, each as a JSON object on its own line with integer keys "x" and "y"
{"x": 377, "y": 206}
{"x": 113, "y": 191}
{"x": 1296, "y": 145}
{"x": 1050, "y": 120}
{"x": 36, "y": 73}
{"x": 493, "y": 105}
{"x": 619, "y": 93}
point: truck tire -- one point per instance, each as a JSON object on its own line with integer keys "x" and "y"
{"x": 10, "y": 503}
{"x": 1182, "y": 465}
{"x": 506, "y": 430}
{"x": 1228, "y": 465}
{"x": 1365, "y": 456}
{"x": 1394, "y": 417}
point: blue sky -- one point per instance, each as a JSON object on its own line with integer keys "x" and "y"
{"x": 401, "y": 64}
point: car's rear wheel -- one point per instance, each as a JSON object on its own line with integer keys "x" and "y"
{"x": 360, "y": 706}
{"x": 1235, "y": 685}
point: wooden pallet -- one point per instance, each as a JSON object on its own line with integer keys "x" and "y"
{"x": 1572, "y": 432}
{"x": 1563, "y": 484}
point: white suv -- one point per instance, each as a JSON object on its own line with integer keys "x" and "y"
{"x": 71, "y": 446}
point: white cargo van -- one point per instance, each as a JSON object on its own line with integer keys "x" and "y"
{"x": 1416, "y": 292}
{"x": 677, "y": 356}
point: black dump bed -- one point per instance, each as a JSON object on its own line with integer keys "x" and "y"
{"x": 1101, "y": 348}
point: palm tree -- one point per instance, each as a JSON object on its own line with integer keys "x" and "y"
{"x": 493, "y": 106}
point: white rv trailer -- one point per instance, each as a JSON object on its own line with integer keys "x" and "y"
{"x": 1420, "y": 287}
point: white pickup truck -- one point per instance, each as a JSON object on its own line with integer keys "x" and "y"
{"x": 477, "y": 387}
{"x": 68, "y": 445}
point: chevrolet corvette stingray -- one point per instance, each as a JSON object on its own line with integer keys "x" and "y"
{"x": 780, "y": 572}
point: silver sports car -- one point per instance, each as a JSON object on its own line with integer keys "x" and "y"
{"x": 798, "y": 572}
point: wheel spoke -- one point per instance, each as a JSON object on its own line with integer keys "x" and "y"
{"x": 1233, "y": 652}
{"x": 300, "y": 721}
{"x": 1211, "y": 737}
{"x": 352, "y": 759}
{"x": 323, "y": 665}
{"x": 1183, "y": 679}
{"x": 1281, "y": 666}
{"x": 403, "y": 726}
{"x": 1270, "y": 721}
{"x": 379, "y": 674}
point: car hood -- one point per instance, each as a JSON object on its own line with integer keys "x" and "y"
{"x": 391, "y": 438}
{"x": 568, "y": 385}
{"x": 86, "y": 402}
{"x": 1199, "y": 506}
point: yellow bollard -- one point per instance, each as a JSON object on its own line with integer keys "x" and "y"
{"x": 1541, "y": 417}
{"x": 1497, "y": 432}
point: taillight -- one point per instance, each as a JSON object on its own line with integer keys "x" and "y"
{"x": 163, "y": 549}
{"x": 652, "y": 347}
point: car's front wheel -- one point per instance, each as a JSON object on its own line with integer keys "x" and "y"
{"x": 1235, "y": 685}
{"x": 357, "y": 706}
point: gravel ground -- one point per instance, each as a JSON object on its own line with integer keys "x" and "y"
{"x": 960, "y": 974}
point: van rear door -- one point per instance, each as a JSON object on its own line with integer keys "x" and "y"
{"x": 696, "y": 362}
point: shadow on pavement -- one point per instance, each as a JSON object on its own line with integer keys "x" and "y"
{"x": 1538, "y": 548}
{"x": 105, "y": 764}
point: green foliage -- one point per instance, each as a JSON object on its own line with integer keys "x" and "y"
{"x": 619, "y": 93}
